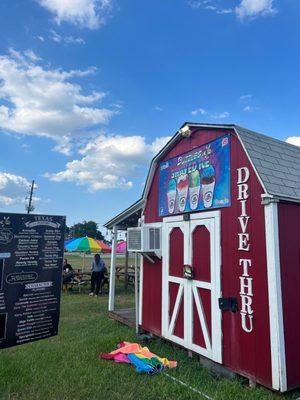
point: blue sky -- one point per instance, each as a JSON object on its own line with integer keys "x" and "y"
{"x": 91, "y": 89}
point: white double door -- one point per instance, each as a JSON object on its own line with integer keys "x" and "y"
{"x": 190, "y": 311}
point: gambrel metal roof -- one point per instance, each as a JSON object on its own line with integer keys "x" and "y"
{"x": 277, "y": 163}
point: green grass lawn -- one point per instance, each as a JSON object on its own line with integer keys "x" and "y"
{"x": 68, "y": 366}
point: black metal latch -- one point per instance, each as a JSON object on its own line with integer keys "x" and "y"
{"x": 228, "y": 304}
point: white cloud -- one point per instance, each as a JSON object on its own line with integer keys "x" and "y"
{"x": 245, "y": 9}
{"x": 56, "y": 37}
{"x": 294, "y": 140}
{"x": 25, "y": 147}
{"x": 224, "y": 11}
{"x": 255, "y": 8}
{"x": 221, "y": 115}
{"x": 13, "y": 188}
{"x": 247, "y": 109}
{"x": 157, "y": 108}
{"x": 210, "y": 5}
{"x": 31, "y": 55}
{"x": 110, "y": 162}
{"x": 158, "y": 144}
{"x": 200, "y": 111}
{"x": 85, "y": 13}
{"x": 46, "y": 102}
{"x": 246, "y": 96}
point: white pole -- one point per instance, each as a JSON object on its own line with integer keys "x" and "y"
{"x": 112, "y": 275}
{"x": 136, "y": 282}
{"x": 83, "y": 263}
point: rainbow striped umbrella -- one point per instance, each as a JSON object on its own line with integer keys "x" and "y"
{"x": 105, "y": 248}
{"x": 121, "y": 246}
{"x": 85, "y": 244}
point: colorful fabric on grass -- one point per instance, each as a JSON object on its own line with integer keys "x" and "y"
{"x": 140, "y": 357}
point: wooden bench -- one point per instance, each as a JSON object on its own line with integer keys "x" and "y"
{"x": 85, "y": 281}
{"x": 120, "y": 273}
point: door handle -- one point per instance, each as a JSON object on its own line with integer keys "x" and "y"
{"x": 188, "y": 272}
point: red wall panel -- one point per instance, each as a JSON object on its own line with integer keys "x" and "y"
{"x": 152, "y": 296}
{"x": 176, "y": 252}
{"x": 289, "y": 239}
{"x": 179, "y": 323}
{"x": 201, "y": 254}
{"x": 246, "y": 353}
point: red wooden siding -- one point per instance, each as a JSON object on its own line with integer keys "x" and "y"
{"x": 201, "y": 254}
{"x": 176, "y": 252}
{"x": 246, "y": 353}
{"x": 179, "y": 324}
{"x": 289, "y": 239}
{"x": 198, "y": 337}
{"x": 152, "y": 296}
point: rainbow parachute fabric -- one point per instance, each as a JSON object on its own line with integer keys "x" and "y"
{"x": 140, "y": 357}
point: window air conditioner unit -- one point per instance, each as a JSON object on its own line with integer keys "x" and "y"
{"x": 146, "y": 239}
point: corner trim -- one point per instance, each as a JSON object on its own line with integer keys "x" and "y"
{"x": 278, "y": 360}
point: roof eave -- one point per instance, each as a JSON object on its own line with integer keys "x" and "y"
{"x": 138, "y": 205}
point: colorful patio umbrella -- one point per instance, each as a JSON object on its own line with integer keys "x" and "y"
{"x": 121, "y": 246}
{"x": 86, "y": 244}
{"x": 66, "y": 242}
{"x": 83, "y": 244}
{"x": 105, "y": 248}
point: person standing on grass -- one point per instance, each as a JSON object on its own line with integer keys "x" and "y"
{"x": 98, "y": 269}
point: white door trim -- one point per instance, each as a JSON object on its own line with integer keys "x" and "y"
{"x": 169, "y": 224}
{"x": 279, "y": 378}
{"x": 211, "y": 220}
{"x": 214, "y": 347}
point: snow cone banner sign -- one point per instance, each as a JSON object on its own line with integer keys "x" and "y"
{"x": 197, "y": 180}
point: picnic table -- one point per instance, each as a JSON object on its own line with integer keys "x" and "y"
{"x": 84, "y": 277}
{"x": 121, "y": 273}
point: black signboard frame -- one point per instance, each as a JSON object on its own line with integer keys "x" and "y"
{"x": 31, "y": 259}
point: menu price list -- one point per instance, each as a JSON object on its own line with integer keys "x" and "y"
{"x": 31, "y": 257}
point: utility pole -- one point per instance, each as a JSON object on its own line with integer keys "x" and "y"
{"x": 29, "y": 207}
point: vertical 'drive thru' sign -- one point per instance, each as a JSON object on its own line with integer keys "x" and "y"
{"x": 245, "y": 263}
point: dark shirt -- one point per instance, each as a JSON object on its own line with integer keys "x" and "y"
{"x": 67, "y": 268}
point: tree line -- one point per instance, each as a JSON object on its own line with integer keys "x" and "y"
{"x": 85, "y": 228}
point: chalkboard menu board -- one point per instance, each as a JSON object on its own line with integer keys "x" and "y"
{"x": 31, "y": 257}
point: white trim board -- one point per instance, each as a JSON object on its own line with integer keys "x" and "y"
{"x": 141, "y": 289}
{"x": 279, "y": 378}
{"x": 112, "y": 276}
{"x": 188, "y": 289}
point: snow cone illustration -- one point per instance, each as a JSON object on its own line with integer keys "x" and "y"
{"x": 171, "y": 194}
{"x": 208, "y": 180}
{"x": 182, "y": 189}
{"x": 194, "y": 189}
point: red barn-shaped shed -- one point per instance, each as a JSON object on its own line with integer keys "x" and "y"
{"x": 226, "y": 201}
